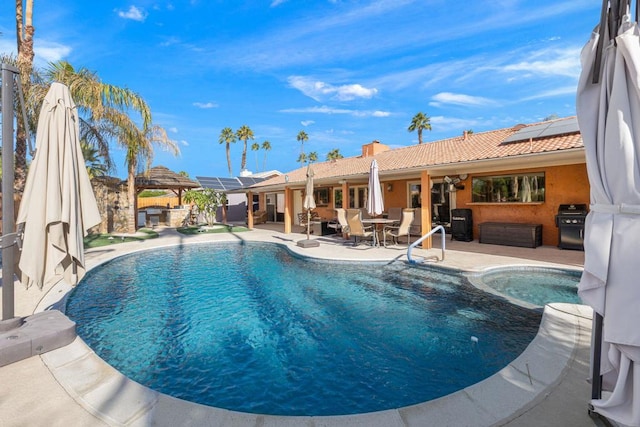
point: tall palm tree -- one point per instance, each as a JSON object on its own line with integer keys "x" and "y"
{"x": 255, "y": 147}
{"x": 313, "y": 157}
{"x": 302, "y": 138}
{"x": 244, "y": 133}
{"x": 420, "y": 122}
{"x": 101, "y": 106}
{"x": 228, "y": 137}
{"x": 334, "y": 154}
{"x": 302, "y": 158}
{"x": 266, "y": 146}
{"x": 24, "y": 37}
{"x": 139, "y": 145}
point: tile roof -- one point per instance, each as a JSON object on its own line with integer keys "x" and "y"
{"x": 488, "y": 145}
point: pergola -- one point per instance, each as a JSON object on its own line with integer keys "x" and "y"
{"x": 161, "y": 178}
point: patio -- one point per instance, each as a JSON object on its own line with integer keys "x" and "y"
{"x": 101, "y": 396}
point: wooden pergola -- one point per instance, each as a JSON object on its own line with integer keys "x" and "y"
{"x": 161, "y": 178}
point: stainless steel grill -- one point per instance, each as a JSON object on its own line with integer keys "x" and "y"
{"x": 570, "y": 222}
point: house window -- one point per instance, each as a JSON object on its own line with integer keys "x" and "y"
{"x": 415, "y": 199}
{"x": 321, "y": 196}
{"x": 337, "y": 197}
{"x": 357, "y": 197}
{"x": 520, "y": 188}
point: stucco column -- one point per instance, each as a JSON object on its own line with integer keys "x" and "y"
{"x": 345, "y": 195}
{"x": 288, "y": 209}
{"x": 425, "y": 212}
{"x": 249, "y": 209}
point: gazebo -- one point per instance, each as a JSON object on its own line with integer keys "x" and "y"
{"x": 161, "y": 178}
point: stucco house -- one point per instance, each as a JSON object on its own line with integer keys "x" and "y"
{"x": 519, "y": 174}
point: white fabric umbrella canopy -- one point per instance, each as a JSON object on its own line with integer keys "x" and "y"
{"x": 609, "y": 120}
{"x": 309, "y": 201}
{"x": 375, "y": 204}
{"x": 58, "y": 205}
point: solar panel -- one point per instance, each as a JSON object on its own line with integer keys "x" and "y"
{"x": 227, "y": 184}
{"x": 544, "y": 130}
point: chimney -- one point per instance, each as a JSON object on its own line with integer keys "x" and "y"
{"x": 465, "y": 135}
{"x": 373, "y": 148}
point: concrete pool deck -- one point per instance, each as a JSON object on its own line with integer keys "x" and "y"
{"x": 546, "y": 385}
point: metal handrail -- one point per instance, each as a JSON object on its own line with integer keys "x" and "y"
{"x": 429, "y": 234}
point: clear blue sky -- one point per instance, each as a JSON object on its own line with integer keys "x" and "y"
{"x": 346, "y": 72}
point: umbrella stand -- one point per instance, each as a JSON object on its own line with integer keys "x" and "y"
{"x": 39, "y": 333}
{"x": 9, "y": 238}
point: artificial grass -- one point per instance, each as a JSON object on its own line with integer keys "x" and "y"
{"x": 97, "y": 240}
{"x": 225, "y": 228}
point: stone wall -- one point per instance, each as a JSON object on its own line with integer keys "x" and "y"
{"x": 111, "y": 195}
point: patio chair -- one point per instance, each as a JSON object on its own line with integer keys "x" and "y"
{"x": 416, "y": 226}
{"x": 395, "y": 214}
{"x": 339, "y": 223}
{"x": 356, "y": 228}
{"x": 404, "y": 229}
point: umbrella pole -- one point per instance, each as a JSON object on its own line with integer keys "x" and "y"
{"x": 596, "y": 378}
{"x": 8, "y": 222}
{"x": 308, "y": 223}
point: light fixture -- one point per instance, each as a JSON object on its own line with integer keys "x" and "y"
{"x": 447, "y": 179}
{"x": 389, "y": 187}
{"x": 463, "y": 176}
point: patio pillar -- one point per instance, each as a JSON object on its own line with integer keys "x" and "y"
{"x": 249, "y": 209}
{"x": 345, "y": 201}
{"x": 425, "y": 211}
{"x": 288, "y": 209}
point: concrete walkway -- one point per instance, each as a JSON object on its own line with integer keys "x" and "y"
{"x": 545, "y": 386}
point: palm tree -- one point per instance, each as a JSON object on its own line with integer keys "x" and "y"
{"x": 228, "y": 137}
{"x": 420, "y": 122}
{"x": 266, "y": 146}
{"x": 334, "y": 154}
{"x": 104, "y": 115}
{"x": 255, "y": 147}
{"x": 95, "y": 167}
{"x": 139, "y": 145}
{"x": 313, "y": 157}
{"x": 302, "y": 158}
{"x": 101, "y": 106}
{"x": 24, "y": 36}
{"x": 302, "y": 138}
{"x": 244, "y": 134}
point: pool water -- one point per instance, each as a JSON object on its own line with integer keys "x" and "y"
{"x": 252, "y": 328}
{"x": 537, "y": 286}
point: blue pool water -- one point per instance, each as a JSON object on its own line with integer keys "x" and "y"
{"x": 250, "y": 327}
{"x": 537, "y": 286}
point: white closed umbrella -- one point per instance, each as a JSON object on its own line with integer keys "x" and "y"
{"x": 609, "y": 119}
{"x": 58, "y": 205}
{"x": 309, "y": 201}
{"x": 375, "y": 204}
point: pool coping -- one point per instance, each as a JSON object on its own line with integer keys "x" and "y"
{"x": 117, "y": 400}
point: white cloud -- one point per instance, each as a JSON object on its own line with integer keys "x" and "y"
{"x": 205, "y": 105}
{"x": 561, "y": 91}
{"x": 173, "y": 129}
{"x": 134, "y": 13}
{"x": 307, "y": 122}
{"x": 319, "y": 90}
{"x": 459, "y": 99}
{"x": 548, "y": 62}
{"x": 379, "y": 113}
{"x": 276, "y": 3}
{"x": 183, "y": 142}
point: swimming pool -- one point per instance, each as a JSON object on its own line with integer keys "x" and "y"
{"x": 253, "y": 328}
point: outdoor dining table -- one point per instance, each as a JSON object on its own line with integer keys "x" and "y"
{"x": 377, "y": 223}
